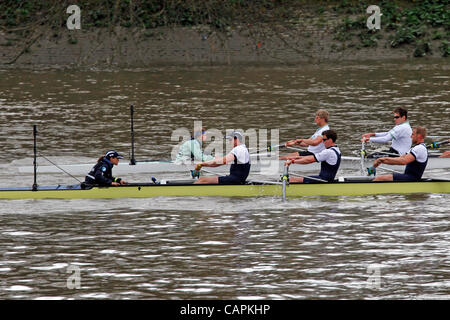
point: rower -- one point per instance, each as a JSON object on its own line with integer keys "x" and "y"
{"x": 239, "y": 159}
{"x": 330, "y": 159}
{"x": 314, "y": 143}
{"x": 415, "y": 160}
{"x": 400, "y": 135}
{"x": 191, "y": 150}
{"x": 101, "y": 173}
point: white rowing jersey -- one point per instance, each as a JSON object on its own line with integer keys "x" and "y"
{"x": 400, "y": 136}
{"x": 241, "y": 154}
{"x": 328, "y": 155}
{"x": 320, "y": 147}
{"x": 420, "y": 152}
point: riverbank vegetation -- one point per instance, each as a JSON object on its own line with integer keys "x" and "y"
{"x": 417, "y": 24}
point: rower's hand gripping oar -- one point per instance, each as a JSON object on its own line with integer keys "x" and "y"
{"x": 195, "y": 173}
{"x": 267, "y": 150}
{"x": 437, "y": 144}
{"x": 373, "y": 170}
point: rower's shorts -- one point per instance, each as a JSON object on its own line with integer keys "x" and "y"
{"x": 230, "y": 180}
{"x": 404, "y": 177}
{"x": 305, "y": 153}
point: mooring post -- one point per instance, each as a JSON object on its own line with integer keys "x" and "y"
{"x": 35, "y": 186}
{"x": 132, "y": 159}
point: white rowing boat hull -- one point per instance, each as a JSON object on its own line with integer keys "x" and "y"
{"x": 258, "y": 167}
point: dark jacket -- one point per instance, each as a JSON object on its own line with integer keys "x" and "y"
{"x": 101, "y": 174}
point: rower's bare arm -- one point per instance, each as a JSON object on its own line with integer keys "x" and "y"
{"x": 368, "y": 135}
{"x": 290, "y": 156}
{"x": 305, "y": 160}
{"x": 405, "y": 159}
{"x": 314, "y": 142}
{"x": 291, "y": 143}
{"x": 219, "y": 161}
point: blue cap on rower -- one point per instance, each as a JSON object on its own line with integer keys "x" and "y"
{"x": 113, "y": 154}
{"x": 235, "y": 134}
{"x": 199, "y": 133}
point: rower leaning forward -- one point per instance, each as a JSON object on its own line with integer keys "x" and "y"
{"x": 400, "y": 135}
{"x": 191, "y": 150}
{"x": 329, "y": 158}
{"x": 101, "y": 173}
{"x": 238, "y": 157}
{"x": 314, "y": 143}
{"x": 415, "y": 160}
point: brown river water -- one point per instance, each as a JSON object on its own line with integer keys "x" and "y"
{"x": 367, "y": 247}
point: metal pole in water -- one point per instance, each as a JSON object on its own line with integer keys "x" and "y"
{"x": 285, "y": 179}
{"x": 132, "y": 160}
{"x": 35, "y": 156}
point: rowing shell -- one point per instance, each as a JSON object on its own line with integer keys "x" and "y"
{"x": 265, "y": 167}
{"x": 348, "y": 187}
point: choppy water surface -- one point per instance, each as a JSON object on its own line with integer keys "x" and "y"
{"x": 371, "y": 247}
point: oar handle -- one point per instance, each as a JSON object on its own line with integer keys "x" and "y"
{"x": 437, "y": 144}
{"x": 195, "y": 174}
{"x": 372, "y": 171}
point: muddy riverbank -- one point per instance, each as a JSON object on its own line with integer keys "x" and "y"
{"x": 314, "y": 33}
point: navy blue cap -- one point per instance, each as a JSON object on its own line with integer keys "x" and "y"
{"x": 113, "y": 154}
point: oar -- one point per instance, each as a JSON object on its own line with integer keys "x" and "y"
{"x": 264, "y": 182}
{"x": 268, "y": 149}
{"x": 196, "y": 173}
{"x": 433, "y": 145}
{"x": 373, "y": 170}
{"x": 295, "y": 149}
{"x": 384, "y": 152}
{"x": 307, "y": 177}
{"x": 437, "y": 144}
